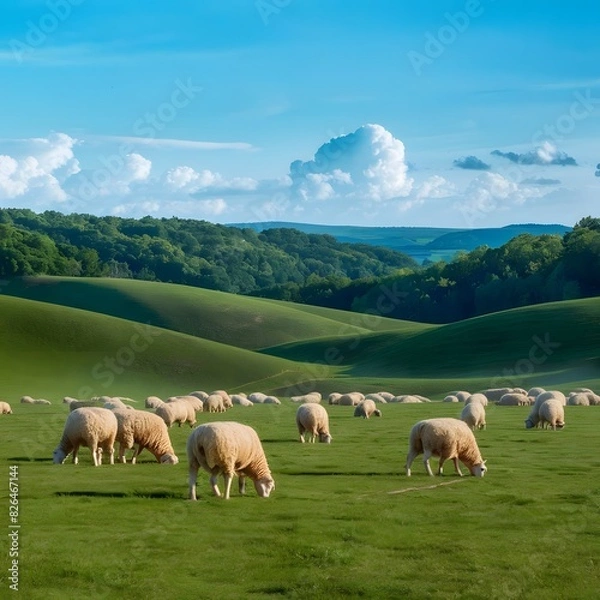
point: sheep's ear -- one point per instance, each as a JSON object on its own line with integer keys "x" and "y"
{"x": 484, "y": 462}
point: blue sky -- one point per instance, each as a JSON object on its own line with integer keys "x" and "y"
{"x": 469, "y": 113}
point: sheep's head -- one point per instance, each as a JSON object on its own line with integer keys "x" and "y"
{"x": 560, "y": 424}
{"x": 529, "y": 424}
{"x": 325, "y": 438}
{"x": 264, "y": 486}
{"x": 169, "y": 459}
{"x": 377, "y": 412}
{"x": 479, "y": 470}
{"x": 58, "y": 457}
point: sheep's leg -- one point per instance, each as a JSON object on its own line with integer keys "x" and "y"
{"x": 456, "y": 466}
{"x": 99, "y": 457}
{"x": 441, "y": 466}
{"x": 75, "y": 451}
{"x": 111, "y": 455}
{"x": 301, "y": 434}
{"x": 228, "y": 479}
{"x": 122, "y": 451}
{"x": 214, "y": 485}
{"x": 242, "y": 484}
{"x": 409, "y": 461}
{"x": 193, "y": 476}
{"x": 136, "y": 452}
{"x": 426, "y": 458}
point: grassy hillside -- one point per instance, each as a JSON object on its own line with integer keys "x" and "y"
{"x": 52, "y": 351}
{"x": 557, "y": 342}
{"x": 241, "y": 321}
{"x": 343, "y": 521}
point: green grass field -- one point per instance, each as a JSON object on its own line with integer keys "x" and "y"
{"x": 343, "y": 522}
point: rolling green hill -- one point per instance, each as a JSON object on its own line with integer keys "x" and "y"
{"x": 241, "y": 321}
{"x": 51, "y": 351}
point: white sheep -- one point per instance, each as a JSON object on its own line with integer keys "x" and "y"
{"x": 42, "y": 401}
{"x": 272, "y": 400}
{"x": 462, "y": 395}
{"x": 387, "y": 396}
{"x": 5, "y": 408}
{"x": 197, "y": 404}
{"x": 176, "y": 412}
{"x": 451, "y": 398}
{"x": 202, "y": 395}
{"x": 153, "y": 402}
{"x": 366, "y": 408}
{"x": 69, "y": 399}
{"x": 313, "y": 418}
{"x": 552, "y": 413}
{"x": 232, "y": 449}
{"x": 556, "y": 394}
{"x": 89, "y": 426}
{"x": 27, "y": 400}
{"x": 407, "y": 399}
{"x": 473, "y": 414}
{"x": 257, "y": 397}
{"x": 75, "y": 404}
{"x": 494, "y": 394}
{"x": 116, "y": 404}
{"x": 350, "y": 399}
{"x": 376, "y": 397}
{"x": 535, "y": 391}
{"x": 241, "y": 400}
{"x": 449, "y": 439}
{"x": 314, "y": 397}
{"x": 334, "y": 398}
{"x": 533, "y": 420}
{"x": 578, "y": 399}
{"x": 214, "y": 403}
{"x": 147, "y": 430}
{"x": 481, "y": 398}
{"x": 227, "y": 403}
{"x": 512, "y": 399}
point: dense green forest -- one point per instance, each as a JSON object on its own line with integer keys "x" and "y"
{"x": 183, "y": 251}
{"x": 314, "y": 269}
{"x": 527, "y": 270}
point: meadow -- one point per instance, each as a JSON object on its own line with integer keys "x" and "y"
{"x": 344, "y": 520}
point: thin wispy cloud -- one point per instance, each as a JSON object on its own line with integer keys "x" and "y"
{"x": 173, "y": 143}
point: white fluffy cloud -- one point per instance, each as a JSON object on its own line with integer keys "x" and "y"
{"x": 38, "y": 169}
{"x": 368, "y": 164}
{"x": 186, "y": 179}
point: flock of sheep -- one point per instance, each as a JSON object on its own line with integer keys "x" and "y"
{"x": 233, "y": 449}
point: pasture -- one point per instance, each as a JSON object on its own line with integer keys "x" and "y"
{"x": 343, "y": 521}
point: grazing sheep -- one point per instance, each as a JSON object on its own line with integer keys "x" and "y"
{"x": 272, "y": 400}
{"x": 232, "y": 449}
{"x": 214, "y": 403}
{"x": 462, "y": 395}
{"x": 176, "y": 412}
{"x": 69, "y": 399}
{"x": 366, "y": 408}
{"x": 199, "y": 394}
{"x": 578, "y": 399}
{"x": 350, "y": 399}
{"x": 451, "y": 398}
{"x": 257, "y": 397}
{"x": 449, "y": 439}
{"x": 552, "y": 413}
{"x": 5, "y": 408}
{"x": 314, "y": 397}
{"x": 89, "y": 426}
{"x": 153, "y": 402}
{"x": 592, "y": 397}
{"x": 422, "y": 398}
{"x": 512, "y": 399}
{"x": 535, "y": 391}
{"x": 27, "y": 400}
{"x": 241, "y": 400}
{"x": 75, "y": 404}
{"x": 408, "y": 399}
{"x": 376, "y": 398}
{"x": 334, "y": 398}
{"x": 481, "y": 398}
{"x": 116, "y": 404}
{"x": 41, "y": 401}
{"x": 387, "y": 396}
{"x": 473, "y": 414}
{"x": 313, "y": 418}
{"x": 197, "y": 404}
{"x": 558, "y": 395}
{"x": 147, "y": 430}
{"x": 227, "y": 403}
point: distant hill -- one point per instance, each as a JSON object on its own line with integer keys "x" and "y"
{"x": 421, "y": 243}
